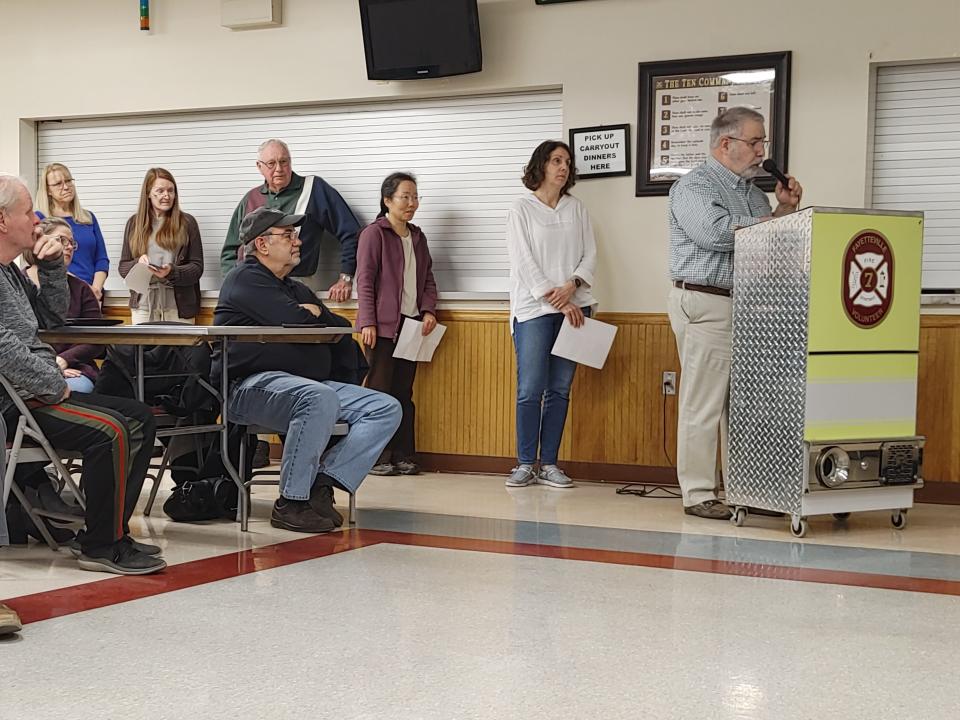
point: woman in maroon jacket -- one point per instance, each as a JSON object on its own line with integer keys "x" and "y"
{"x": 394, "y": 282}
{"x": 76, "y": 361}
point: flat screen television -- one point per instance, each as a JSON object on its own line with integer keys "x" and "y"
{"x": 410, "y": 39}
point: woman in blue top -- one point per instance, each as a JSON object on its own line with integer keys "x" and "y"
{"x": 57, "y": 197}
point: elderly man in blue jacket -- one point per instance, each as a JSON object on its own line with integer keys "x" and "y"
{"x": 290, "y": 387}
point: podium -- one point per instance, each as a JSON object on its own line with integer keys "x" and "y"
{"x": 823, "y": 386}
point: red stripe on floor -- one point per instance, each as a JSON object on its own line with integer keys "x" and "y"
{"x": 115, "y": 590}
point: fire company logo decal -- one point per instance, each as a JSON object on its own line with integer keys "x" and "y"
{"x": 867, "y": 287}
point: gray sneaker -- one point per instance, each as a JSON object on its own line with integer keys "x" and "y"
{"x": 554, "y": 477}
{"x": 521, "y": 476}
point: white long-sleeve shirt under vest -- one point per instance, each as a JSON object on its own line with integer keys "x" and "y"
{"x": 547, "y": 247}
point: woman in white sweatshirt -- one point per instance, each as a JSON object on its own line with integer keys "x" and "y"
{"x": 553, "y": 257}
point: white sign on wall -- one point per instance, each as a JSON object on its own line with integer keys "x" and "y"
{"x": 602, "y": 151}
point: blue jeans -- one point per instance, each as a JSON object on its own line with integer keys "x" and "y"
{"x": 543, "y": 388}
{"x": 81, "y": 384}
{"x": 306, "y": 410}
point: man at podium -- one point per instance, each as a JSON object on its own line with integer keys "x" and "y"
{"x": 706, "y": 206}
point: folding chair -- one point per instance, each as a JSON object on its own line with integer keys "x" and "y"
{"x": 249, "y": 476}
{"x": 30, "y": 445}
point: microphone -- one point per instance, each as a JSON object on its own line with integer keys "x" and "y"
{"x": 771, "y": 167}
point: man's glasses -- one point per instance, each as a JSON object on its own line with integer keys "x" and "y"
{"x": 273, "y": 164}
{"x": 753, "y": 143}
{"x": 67, "y": 182}
{"x": 287, "y": 235}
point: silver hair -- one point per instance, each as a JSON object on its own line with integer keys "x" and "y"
{"x": 48, "y": 224}
{"x": 272, "y": 141}
{"x": 10, "y": 190}
{"x": 730, "y": 123}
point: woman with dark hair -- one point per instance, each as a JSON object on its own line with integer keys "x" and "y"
{"x": 167, "y": 241}
{"x": 394, "y": 283}
{"x": 553, "y": 257}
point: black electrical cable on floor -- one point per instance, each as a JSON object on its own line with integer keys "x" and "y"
{"x": 653, "y": 490}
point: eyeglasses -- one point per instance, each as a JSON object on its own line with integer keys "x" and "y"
{"x": 62, "y": 183}
{"x": 287, "y": 235}
{"x": 753, "y": 143}
{"x": 161, "y": 193}
{"x": 408, "y": 198}
{"x": 67, "y": 242}
{"x": 272, "y": 164}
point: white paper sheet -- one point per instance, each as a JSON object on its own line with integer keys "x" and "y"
{"x": 588, "y": 345}
{"x": 414, "y": 345}
{"x": 138, "y": 279}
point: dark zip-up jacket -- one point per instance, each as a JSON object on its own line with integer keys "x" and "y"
{"x": 252, "y": 295}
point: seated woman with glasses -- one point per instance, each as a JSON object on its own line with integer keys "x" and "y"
{"x": 394, "y": 284}
{"x": 76, "y": 361}
{"x": 167, "y": 241}
{"x": 57, "y": 197}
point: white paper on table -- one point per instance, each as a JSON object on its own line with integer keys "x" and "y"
{"x": 588, "y": 345}
{"x": 138, "y": 279}
{"x": 414, "y": 345}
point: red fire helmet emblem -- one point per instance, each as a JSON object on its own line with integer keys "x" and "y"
{"x": 867, "y": 283}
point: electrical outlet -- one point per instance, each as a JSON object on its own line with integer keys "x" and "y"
{"x": 669, "y": 383}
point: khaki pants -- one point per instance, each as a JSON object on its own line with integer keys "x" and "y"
{"x": 702, "y": 325}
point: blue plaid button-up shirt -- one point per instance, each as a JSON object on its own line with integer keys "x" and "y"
{"x": 706, "y": 206}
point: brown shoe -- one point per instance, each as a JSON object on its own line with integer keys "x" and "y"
{"x": 710, "y": 509}
{"x": 321, "y": 500}
{"x": 299, "y": 516}
{"x": 9, "y": 621}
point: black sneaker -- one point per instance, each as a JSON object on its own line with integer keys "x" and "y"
{"x": 408, "y": 467}
{"x": 121, "y": 558}
{"x": 299, "y": 516}
{"x": 321, "y": 500}
{"x": 261, "y": 456}
{"x": 152, "y": 550}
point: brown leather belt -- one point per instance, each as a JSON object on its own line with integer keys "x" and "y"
{"x": 709, "y": 289}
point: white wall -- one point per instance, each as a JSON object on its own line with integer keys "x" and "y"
{"x": 89, "y": 58}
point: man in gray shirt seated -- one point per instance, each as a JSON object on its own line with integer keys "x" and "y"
{"x": 113, "y": 435}
{"x": 707, "y": 205}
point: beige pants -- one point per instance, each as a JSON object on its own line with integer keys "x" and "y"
{"x": 702, "y": 324}
{"x": 168, "y": 314}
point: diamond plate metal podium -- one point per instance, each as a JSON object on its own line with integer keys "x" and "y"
{"x": 826, "y": 324}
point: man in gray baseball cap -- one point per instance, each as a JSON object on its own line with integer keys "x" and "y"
{"x": 259, "y": 222}
{"x": 295, "y": 388}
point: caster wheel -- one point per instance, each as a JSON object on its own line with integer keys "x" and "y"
{"x": 841, "y": 516}
{"x": 798, "y": 528}
{"x": 899, "y": 519}
{"x": 739, "y": 516}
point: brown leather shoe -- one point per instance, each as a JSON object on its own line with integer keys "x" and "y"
{"x": 299, "y": 516}
{"x": 9, "y": 621}
{"x": 710, "y": 509}
{"x": 321, "y": 500}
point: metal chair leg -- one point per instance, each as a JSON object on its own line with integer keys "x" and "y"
{"x": 352, "y": 512}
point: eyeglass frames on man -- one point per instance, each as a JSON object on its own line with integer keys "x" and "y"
{"x": 753, "y": 143}
{"x": 273, "y": 164}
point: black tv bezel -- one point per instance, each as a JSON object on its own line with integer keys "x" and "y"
{"x": 417, "y": 72}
